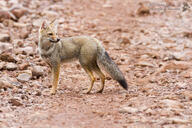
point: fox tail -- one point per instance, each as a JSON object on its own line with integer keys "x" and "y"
{"x": 110, "y": 67}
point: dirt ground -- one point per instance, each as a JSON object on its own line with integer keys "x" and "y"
{"x": 151, "y": 41}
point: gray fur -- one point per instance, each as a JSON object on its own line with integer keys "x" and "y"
{"x": 110, "y": 67}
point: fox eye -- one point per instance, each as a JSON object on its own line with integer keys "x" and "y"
{"x": 50, "y": 34}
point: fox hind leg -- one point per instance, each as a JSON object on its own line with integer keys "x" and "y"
{"x": 92, "y": 78}
{"x": 102, "y": 77}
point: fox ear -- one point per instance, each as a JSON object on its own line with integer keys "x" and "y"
{"x": 44, "y": 25}
{"x": 54, "y": 24}
{"x": 53, "y": 21}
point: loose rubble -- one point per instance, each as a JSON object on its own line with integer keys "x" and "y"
{"x": 150, "y": 41}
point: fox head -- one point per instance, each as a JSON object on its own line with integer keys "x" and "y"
{"x": 48, "y": 32}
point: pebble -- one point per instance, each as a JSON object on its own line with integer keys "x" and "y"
{"x": 24, "y": 77}
{"x": 5, "y": 47}
{"x": 18, "y": 11}
{"x": 11, "y": 66}
{"x": 24, "y": 66}
{"x": 128, "y": 110}
{"x": 2, "y": 65}
{"x": 15, "y": 102}
{"x": 37, "y": 71}
{"x": 4, "y": 84}
{"x": 4, "y": 38}
{"x": 8, "y": 57}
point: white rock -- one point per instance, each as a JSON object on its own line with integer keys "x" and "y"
{"x": 5, "y": 47}
{"x": 26, "y": 50}
{"x": 11, "y": 66}
{"x": 5, "y": 82}
{"x": 171, "y": 103}
{"x": 37, "y": 71}
{"x": 4, "y": 37}
{"x": 176, "y": 120}
{"x": 2, "y": 65}
{"x": 24, "y": 77}
{"x": 128, "y": 110}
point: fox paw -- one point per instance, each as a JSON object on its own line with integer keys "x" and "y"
{"x": 99, "y": 91}
{"x": 86, "y": 92}
{"x": 53, "y": 92}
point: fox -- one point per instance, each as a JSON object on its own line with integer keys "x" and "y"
{"x": 88, "y": 50}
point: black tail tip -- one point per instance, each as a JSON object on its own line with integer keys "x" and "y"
{"x": 123, "y": 83}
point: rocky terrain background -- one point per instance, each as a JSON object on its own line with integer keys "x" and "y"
{"x": 151, "y": 41}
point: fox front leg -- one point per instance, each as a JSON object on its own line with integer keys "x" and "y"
{"x": 55, "y": 77}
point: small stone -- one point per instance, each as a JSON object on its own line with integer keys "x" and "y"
{"x": 49, "y": 13}
{"x": 187, "y": 94}
{"x": 26, "y": 50}
{"x": 149, "y": 111}
{"x": 187, "y": 34}
{"x": 19, "y": 11}
{"x": 24, "y": 97}
{"x": 171, "y": 103}
{"x": 37, "y": 71}
{"x": 182, "y": 85}
{"x": 124, "y": 40}
{"x": 143, "y": 10}
{"x": 145, "y": 64}
{"x": 38, "y": 93}
{"x": 18, "y": 43}
{"x": 4, "y": 84}
{"x": 4, "y": 124}
{"x": 2, "y": 65}
{"x": 4, "y": 38}
{"x": 23, "y": 66}
{"x": 144, "y": 56}
{"x": 107, "y": 5}
{"x": 37, "y": 22}
{"x": 175, "y": 65}
{"x": 4, "y": 14}
{"x": 176, "y": 120}
{"x": 7, "y": 82}
{"x": 11, "y": 66}
{"x": 5, "y": 47}
{"x": 128, "y": 110}
{"x": 21, "y": 25}
{"x": 24, "y": 77}
{"x": 8, "y": 57}
{"x": 24, "y": 33}
{"x": 36, "y": 116}
{"x": 15, "y": 102}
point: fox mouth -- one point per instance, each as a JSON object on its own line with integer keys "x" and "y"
{"x": 54, "y": 41}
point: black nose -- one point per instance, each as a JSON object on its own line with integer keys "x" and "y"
{"x": 54, "y": 41}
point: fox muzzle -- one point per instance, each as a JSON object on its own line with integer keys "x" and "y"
{"x": 54, "y": 41}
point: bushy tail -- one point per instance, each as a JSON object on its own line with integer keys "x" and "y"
{"x": 107, "y": 63}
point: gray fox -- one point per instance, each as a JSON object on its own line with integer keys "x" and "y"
{"x": 88, "y": 50}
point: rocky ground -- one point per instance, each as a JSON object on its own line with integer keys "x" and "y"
{"x": 149, "y": 40}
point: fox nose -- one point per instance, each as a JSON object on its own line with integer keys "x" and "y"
{"x": 58, "y": 39}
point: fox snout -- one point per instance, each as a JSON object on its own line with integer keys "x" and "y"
{"x": 54, "y": 40}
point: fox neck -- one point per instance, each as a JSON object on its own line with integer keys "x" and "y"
{"x": 45, "y": 46}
